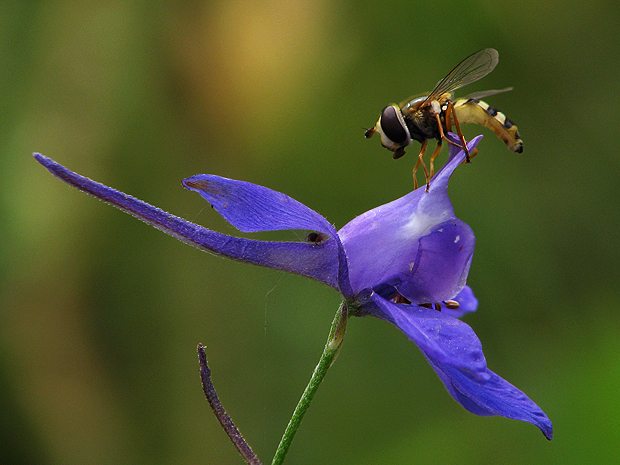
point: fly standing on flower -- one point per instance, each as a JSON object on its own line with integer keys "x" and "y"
{"x": 432, "y": 116}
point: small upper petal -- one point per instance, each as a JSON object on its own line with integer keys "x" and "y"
{"x": 252, "y": 208}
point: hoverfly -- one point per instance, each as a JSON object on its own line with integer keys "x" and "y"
{"x": 432, "y": 116}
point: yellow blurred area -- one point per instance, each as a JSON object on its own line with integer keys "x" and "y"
{"x": 257, "y": 55}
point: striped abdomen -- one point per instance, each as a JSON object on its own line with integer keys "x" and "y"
{"x": 476, "y": 111}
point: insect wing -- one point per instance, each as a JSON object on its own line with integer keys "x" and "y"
{"x": 471, "y": 69}
{"x": 485, "y": 93}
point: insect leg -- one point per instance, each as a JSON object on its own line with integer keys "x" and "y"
{"x": 448, "y": 115}
{"x": 459, "y": 133}
{"x": 415, "y": 180}
{"x": 442, "y": 134}
{"x": 415, "y": 168}
{"x": 434, "y": 155}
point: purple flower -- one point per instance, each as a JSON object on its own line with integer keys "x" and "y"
{"x": 405, "y": 262}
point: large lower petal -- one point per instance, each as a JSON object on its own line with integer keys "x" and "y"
{"x": 437, "y": 334}
{"x": 491, "y": 395}
{"x": 455, "y": 353}
{"x": 319, "y": 261}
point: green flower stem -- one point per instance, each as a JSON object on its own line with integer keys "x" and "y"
{"x": 332, "y": 347}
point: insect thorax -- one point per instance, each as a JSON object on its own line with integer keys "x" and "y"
{"x": 422, "y": 124}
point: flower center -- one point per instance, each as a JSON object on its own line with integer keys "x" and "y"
{"x": 450, "y": 304}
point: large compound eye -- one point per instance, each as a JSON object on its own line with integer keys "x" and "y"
{"x": 392, "y": 126}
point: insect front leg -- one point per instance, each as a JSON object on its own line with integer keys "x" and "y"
{"x": 415, "y": 168}
{"x": 434, "y": 155}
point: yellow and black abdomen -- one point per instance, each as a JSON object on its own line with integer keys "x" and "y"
{"x": 476, "y": 111}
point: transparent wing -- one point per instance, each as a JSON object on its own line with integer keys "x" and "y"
{"x": 471, "y": 69}
{"x": 485, "y": 93}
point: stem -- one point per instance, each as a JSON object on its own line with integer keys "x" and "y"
{"x": 233, "y": 433}
{"x": 332, "y": 347}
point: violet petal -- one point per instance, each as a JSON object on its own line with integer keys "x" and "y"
{"x": 438, "y": 335}
{"x": 316, "y": 261}
{"x": 491, "y": 396}
{"x": 382, "y": 245}
{"x": 252, "y": 208}
{"x": 467, "y": 303}
{"x": 439, "y": 270}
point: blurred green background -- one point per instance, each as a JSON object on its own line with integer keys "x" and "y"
{"x": 101, "y": 314}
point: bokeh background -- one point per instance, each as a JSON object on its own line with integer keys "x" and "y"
{"x": 101, "y": 314}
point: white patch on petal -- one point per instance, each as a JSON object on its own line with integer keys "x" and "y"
{"x": 418, "y": 225}
{"x": 458, "y": 238}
